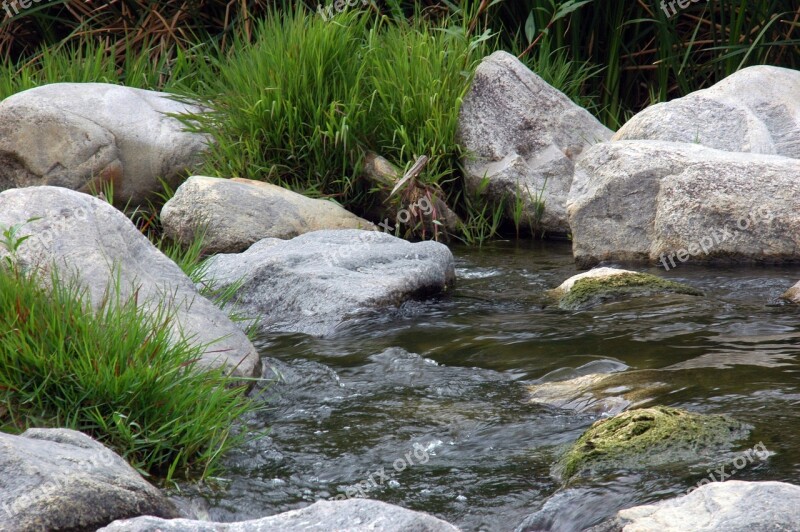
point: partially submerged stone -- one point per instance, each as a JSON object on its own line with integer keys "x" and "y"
{"x": 598, "y": 393}
{"x": 315, "y": 282}
{"x": 603, "y": 285}
{"x": 353, "y": 515}
{"x": 793, "y": 294}
{"x": 732, "y": 506}
{"x": 648, "y": 437}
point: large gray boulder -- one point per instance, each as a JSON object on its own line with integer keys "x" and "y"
{"x": 754, "y": 110}
{"x": 60, "y": 479}
{"x": 732, "y": 506}
{"x": 236, "y": 213}
{"x": 666, "y": 203}
{"x": 353, "y": 515}
{"x": 524, "y": 136}
{"x": 89, "y": 241}
{"x": 316, "y": 281}
{"x": 84, "y": 135}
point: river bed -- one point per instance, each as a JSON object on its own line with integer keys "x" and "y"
{"x": 432, "y": 403}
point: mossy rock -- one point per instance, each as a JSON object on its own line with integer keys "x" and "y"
{"x": 649, "y": 437}
{"x": 593, "y": 291}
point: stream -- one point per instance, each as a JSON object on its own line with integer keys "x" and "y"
{"x": 433, "y": 403}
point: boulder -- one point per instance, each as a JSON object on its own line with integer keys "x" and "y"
{"x": 732, "y": 506}
{"x": 355, "y": 515}
{"x": 648, "y": 437}
{"x": 236, "y": 213}
{"x": 524, "y": 136}
{"x": 88, "y": 241}
{"x": 755, "y": 110}
{"x": 86, "y": 135}
{"x": 793, "y": 294}
{"x": 316, "y": 281}
{"x": 60, "y": 479}
{"x": 666, "y": 203}
{"x": 602, "y": 285}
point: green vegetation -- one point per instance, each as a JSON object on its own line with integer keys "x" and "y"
{"x": 593, "y": 291}
{"x": 114, "y": 373}
{"x": 648, "y": 437}
{"x": 299, "y": 100}
{"x": 303, "y": 105}
{"x": 643, "y": 53}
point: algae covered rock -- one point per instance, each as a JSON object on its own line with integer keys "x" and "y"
{"x": 648, "y": 437}
{"x": 603, "y": 285}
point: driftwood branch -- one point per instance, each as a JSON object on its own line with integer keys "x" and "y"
{"x": 386, "y": 177}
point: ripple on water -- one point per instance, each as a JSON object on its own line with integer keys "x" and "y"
{"x": 452, "y": 376}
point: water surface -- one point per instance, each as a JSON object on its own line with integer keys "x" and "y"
{"x": 441, "y": 389}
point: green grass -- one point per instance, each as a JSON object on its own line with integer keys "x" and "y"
{"x": 299, "y": 100}
{"x": 302, "y": 100}
{"x": 143, "y": 66}
{"x": 112, "y": 373}
{"x": 303, "y": 103}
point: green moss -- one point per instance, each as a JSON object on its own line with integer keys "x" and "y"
{"x": 648, "y": 437}
{"x": 590, "y": 292}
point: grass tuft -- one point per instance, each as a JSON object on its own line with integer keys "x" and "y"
{"x": 113, "y": 373}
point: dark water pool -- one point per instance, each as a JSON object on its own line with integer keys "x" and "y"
{"x": 442, "y": 390}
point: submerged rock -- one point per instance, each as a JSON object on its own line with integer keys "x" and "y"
{"x": 793, "y": 294}
{"x": 86, "y": 135}
{"x": 353, "y": 515}
{"x": 316, "y": 281}
{"x": 598, "y": 393}
{"x": 667, "y": 203}
{"x": 756, "y": 109}
{"x": 524, "y": 136}
{"x": 60, "y": 479}
{"x": 236, "y": 213}
{"x": 648, "y": 437}
{"x": 732, "y": 506}
{"x": 88, "y": 241}
{"x": 602, "y": 285}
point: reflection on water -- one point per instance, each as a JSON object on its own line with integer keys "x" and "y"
{"x": 454, "y": 375}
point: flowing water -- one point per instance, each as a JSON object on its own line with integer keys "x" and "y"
{"x": 434, "y": 405}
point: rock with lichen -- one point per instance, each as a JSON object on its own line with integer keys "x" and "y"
{"x": 648, "y": 437}
{"x": 604, "y": 285}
